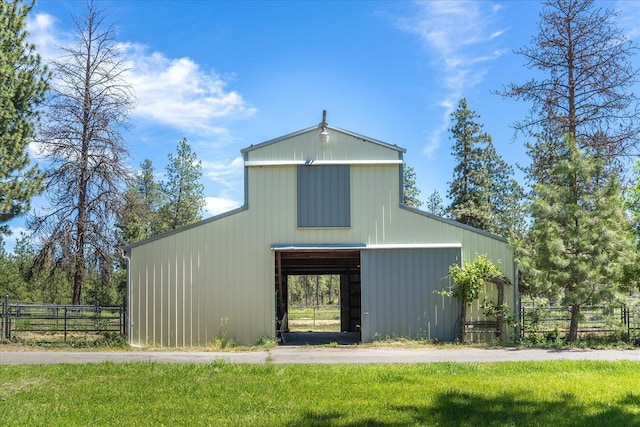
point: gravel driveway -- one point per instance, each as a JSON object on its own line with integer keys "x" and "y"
{"x": 290, "y": 355}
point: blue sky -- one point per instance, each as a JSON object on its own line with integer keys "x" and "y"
{"x": 228, "y": 74}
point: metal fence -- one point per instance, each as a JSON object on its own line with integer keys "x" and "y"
{"x": 551, "y": 321}
{"x": 20, "y": 318}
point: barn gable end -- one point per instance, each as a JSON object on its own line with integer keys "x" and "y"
{"x": 336, "y": 204}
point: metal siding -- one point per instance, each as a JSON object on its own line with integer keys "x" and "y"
{"x": 398, "y": 298}
{"x": 306, "y": 146}
{"x": 180, "y": 284}
{"x": 232, "y": 287}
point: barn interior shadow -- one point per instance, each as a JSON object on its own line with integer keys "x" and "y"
{"x": 459, "y": 408}
{"x": 321, "y": 338}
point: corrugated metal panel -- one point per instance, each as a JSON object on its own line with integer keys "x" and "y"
{"x": 324, "y": 198}
{"x": 341, "y": 146}
{"x": 398, "y": 298}
{"x": 216, "y": 279}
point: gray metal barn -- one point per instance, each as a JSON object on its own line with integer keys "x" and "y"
{"x": 311, "y": 207}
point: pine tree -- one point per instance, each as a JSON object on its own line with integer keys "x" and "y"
{"x": 410, "y": 189}
{"x": 584, "y": 80}
{"x": 632, "y": 275}
{"x": 138, "y": 219}
{"x": 581, "y": 236}
{"x": 23, "y": 83}
{"x": 183, "y": 192}
{"x": 483, "y": 193}
{"x": 469, "y": 189}
{"x": 507, "y": 197}
{"x": 435, "y": 205}
{"x": 82, "y": 139}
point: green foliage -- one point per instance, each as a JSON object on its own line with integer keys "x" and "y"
{"x": 23, "y": 83}
{"x": 267, "y": 342}
{"x": 483, "y": 192}
{"x": 183, "y": 193}
{"x": 490, "y": 309}
{"x": 313, "y": 290}
{"x": 632, "y": 200}
{"x": 435, "y": 205}
{"x": 100, "y": 341}
{"x": 471, "y": 277}
{"x": 25, "y": 280}
{"x": 410, "y": 190}
{"x": 562, "y": 393}
{"x": 138, "y": 219}
{"x": 580, "y": 242}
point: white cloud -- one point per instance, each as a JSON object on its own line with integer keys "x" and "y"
{"x": 174, "y": 92}
{"x": 10, "y": 240}
{"x": 629, "y": 18}
{"x": 218, "y": 205}
{"x": 43, "y": 34}
{"x": 460, "y": 36}
{"x": 229, "y": 173}
{"x": 178, "y": 92}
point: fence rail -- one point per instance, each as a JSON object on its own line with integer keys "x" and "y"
{"x": 18, "y": 319}
{"x": 596, "y": 320}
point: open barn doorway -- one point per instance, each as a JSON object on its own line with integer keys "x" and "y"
{"x": 318, "y": 270}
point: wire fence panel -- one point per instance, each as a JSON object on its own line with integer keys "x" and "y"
{"x": 551, "y": 321}
{"x": 17, "y": 319}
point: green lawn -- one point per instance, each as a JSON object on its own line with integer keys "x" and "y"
{"x": 218, "y": 394}
{"x": 318, "y": 319}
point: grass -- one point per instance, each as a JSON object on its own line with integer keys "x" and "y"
{"x": 499, "y": 394}
{"x": 317, "y": 319}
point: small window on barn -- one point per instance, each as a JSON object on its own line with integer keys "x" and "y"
{"x": 324, "y": 197}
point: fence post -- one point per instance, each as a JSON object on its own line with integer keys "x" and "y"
{"x": 123, "y": 321}
{"x": 627, "y": 321}
{"x": 65, "y": 323}
{"x": 96, "y": 315}
{"x": 6, "y": 317}
{"x": 2, "y": 320}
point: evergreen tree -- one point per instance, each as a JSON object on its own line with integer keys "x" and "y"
{"x": 183, "y": 192}
{"x": 410, "y": 189}
{"x": 23, "y": 83}
{"x": 633, "y": 207}
{"x": 138, "y": 219}
{"x": 435, "y": 204}
{"x": 546, "y": 150}
{"x": 483, "y": 193}
{"x": 469, "y": 190}
{"x": 581, "y": 236}
{"x": 82, "y": 139}
{"x": 507, "y": 198}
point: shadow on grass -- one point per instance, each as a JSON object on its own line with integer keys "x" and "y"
{"x": 462, "y": 409}
{"x": 466, "y": 409}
